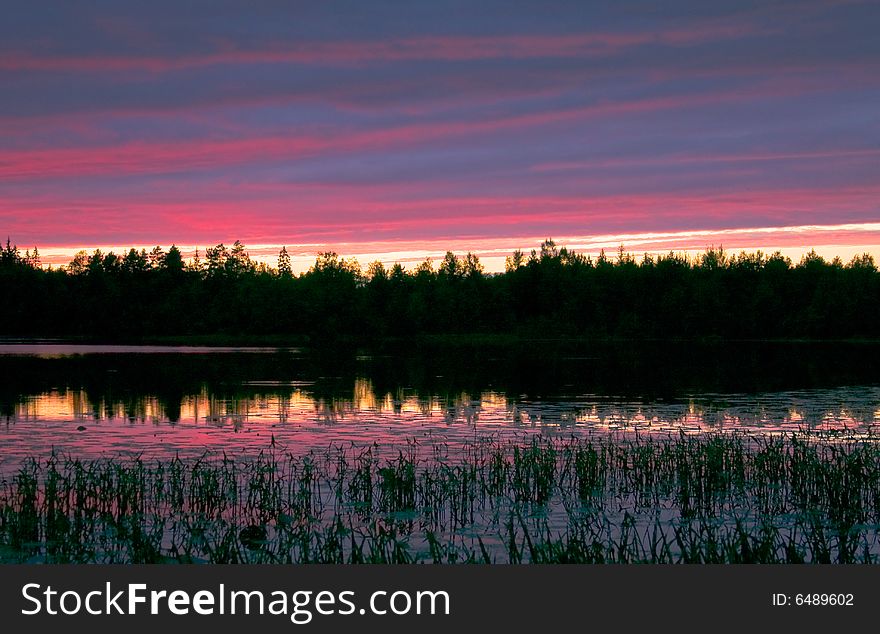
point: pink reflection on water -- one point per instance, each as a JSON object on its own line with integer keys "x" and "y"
{"x": 292, "y": 418}
{"x": 55, "y": 350}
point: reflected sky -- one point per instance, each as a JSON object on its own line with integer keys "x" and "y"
{"x": 289, "y": 415}
{"x": 160, "y": 401}
{"x": 57, "y": 350}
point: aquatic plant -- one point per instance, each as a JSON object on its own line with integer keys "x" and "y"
{"x": 722, "y": 498}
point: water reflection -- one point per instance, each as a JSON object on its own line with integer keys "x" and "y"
{"x": 160, "y": 403}
{"x": 295, "y": 417}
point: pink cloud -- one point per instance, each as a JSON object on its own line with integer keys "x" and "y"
{"x": 440, "y": 48}
{"x": 329, "y": 214}
{"x": 689, "y": 159}
{"x": 169, "y": 156}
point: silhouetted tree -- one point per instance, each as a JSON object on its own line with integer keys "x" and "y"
{"x": 173, "y": 261}
{"x": 514, "y": 261}
{"x": 216, "y": 258}
{"x": 284, "y": 263}
{"x": 555, "y": 291}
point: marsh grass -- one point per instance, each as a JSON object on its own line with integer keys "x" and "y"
{"x": 722, "y": 498}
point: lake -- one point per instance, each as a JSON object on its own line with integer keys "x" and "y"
{"x": 90, "y": 401}
{"x": 544, "y": 452}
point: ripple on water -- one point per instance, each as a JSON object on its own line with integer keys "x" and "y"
{"x": 291, "y": 418}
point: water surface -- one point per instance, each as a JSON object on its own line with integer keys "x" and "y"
{"x": 159, "y": 401}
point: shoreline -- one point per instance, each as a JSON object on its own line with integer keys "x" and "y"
{"x": 487, "y": 339}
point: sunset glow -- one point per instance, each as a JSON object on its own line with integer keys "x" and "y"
{"x": 355, "y": 130}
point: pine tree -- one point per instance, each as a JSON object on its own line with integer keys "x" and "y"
{"x": 284, "y": 263}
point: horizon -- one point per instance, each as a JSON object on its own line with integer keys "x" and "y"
{"x": 395, "y": 135}
{"x": 493, "y": 253}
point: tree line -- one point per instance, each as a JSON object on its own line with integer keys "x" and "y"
{"x": 550, "y": 292}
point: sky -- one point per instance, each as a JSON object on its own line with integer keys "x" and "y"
{"x": 398, "y": 130}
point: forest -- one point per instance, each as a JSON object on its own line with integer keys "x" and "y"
{"x": 552, "y": 292}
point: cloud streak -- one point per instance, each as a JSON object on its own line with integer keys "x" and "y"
{"x": 445, "y": 123}
{"x": 449, "y": 48}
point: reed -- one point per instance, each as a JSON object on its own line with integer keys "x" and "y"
{"x": 723, "y": 498}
